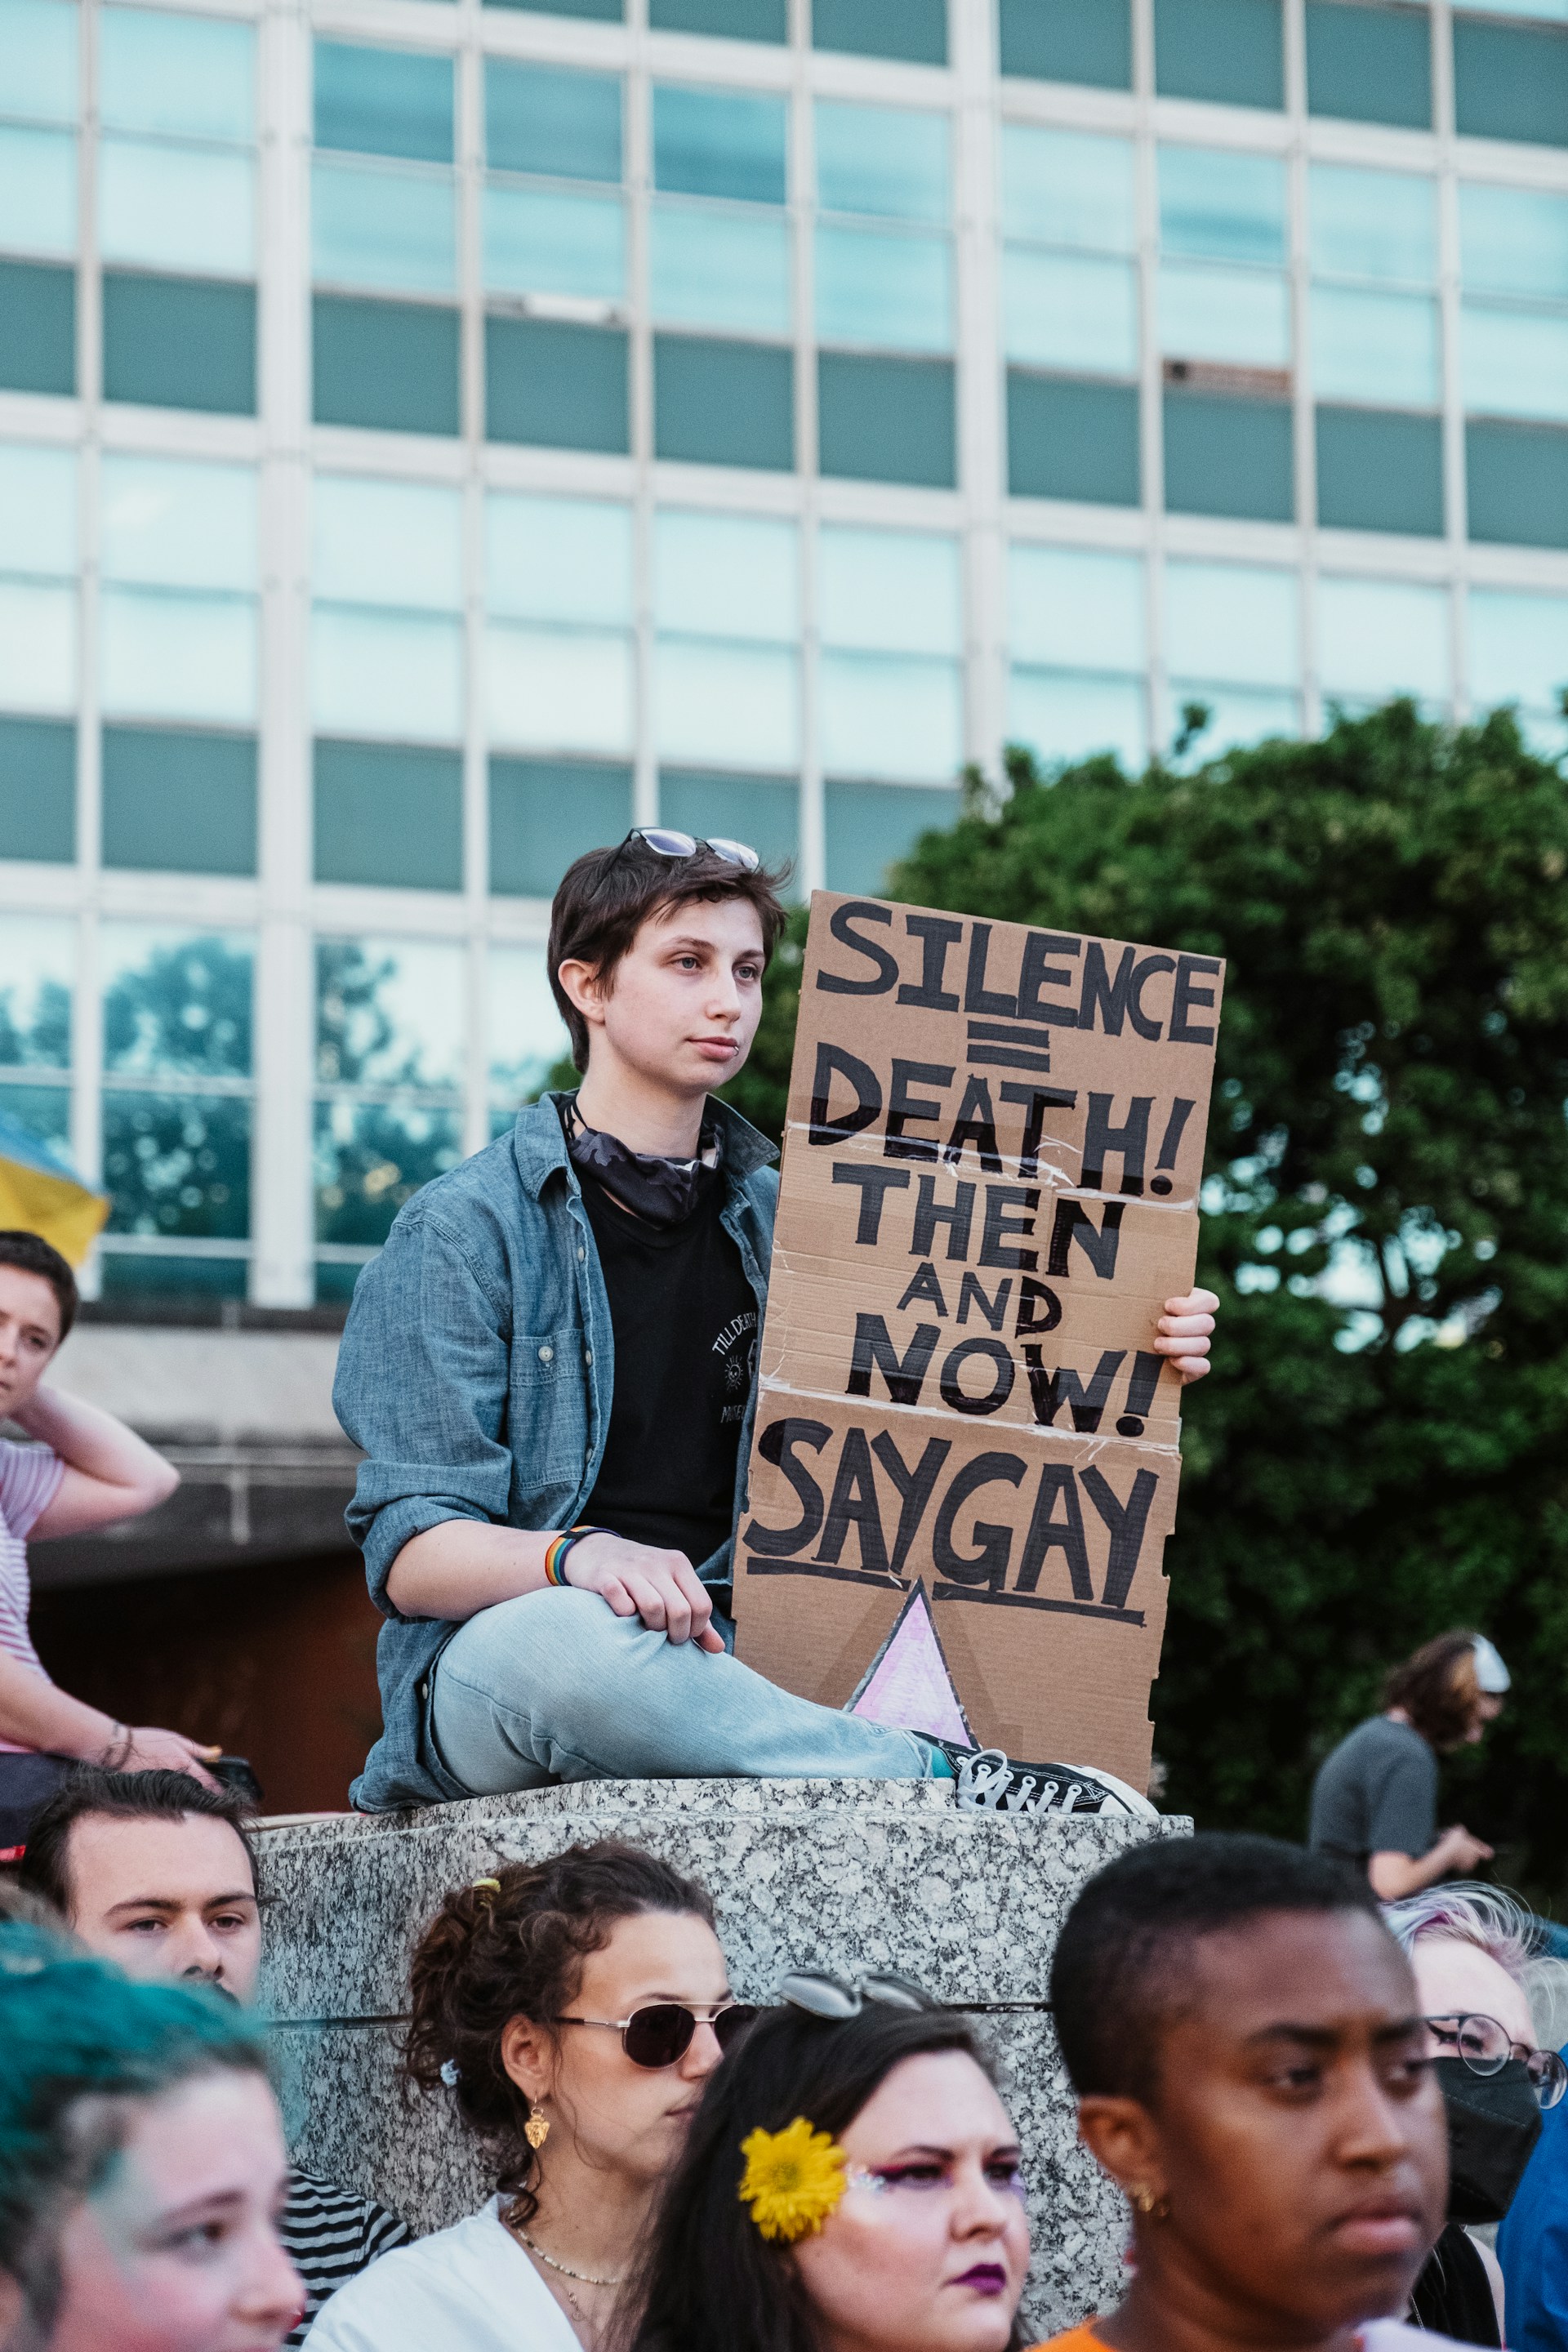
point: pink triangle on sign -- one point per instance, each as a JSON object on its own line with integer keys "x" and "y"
{"x": 908, "y": 1686}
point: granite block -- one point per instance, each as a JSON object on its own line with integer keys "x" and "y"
{"x": 842, "y": 1875}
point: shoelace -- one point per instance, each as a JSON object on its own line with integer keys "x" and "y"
{"x": 984, "y": 1784}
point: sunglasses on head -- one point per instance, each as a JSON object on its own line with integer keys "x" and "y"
{"x": 824, "y": 1994}
{"x": 662, "y": 2033}
{"x": 666, "y": 843}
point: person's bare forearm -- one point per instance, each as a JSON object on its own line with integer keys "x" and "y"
{"x": 466, "y": 1565}
{"x": 36, "y": 1715}
{"x": 1395, "y": 1875}
{"x": 89, "y": 1440}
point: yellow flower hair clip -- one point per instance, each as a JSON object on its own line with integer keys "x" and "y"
{"x": 792, "y": 2179}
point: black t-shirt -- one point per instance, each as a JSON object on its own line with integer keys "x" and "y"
{"x": 685, "y": 1320}
{"x": 1376, "y": 1793}
{"x": 1452, "y": 2295}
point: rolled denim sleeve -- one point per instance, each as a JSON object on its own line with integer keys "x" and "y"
{"x": 422, "y": 1386}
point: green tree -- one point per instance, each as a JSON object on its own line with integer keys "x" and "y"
{"x": 1380, "y": 1451}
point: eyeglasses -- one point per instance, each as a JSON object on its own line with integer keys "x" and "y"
{"x": 662, "y": 2033}
{"x": 827, "y": 1995}
{"x": 666, "y": 843}
{"x": 1486, "y": 2048}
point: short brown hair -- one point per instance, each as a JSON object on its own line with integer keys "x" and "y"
{"x": 33, "y": 1255}
{"x": 608, "y": 894}
{"x": 1438, "y": 1689}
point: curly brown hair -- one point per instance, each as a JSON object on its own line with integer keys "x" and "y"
{"x": 516, "y": 1949}
{"x": 1438, "y": 1689}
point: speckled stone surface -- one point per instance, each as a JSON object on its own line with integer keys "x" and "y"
{"x": 845, "y": 1875}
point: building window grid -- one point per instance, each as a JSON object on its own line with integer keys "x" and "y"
{"x": 1451, "y": 561}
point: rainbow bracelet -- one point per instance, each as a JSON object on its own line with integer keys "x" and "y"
{"x": 559, "y": 1545}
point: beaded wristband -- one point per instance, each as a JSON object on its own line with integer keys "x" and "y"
{"x": 558, "y": 1548}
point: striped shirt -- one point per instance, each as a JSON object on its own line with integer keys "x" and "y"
{"x": 330, "y": 2235}
{"x": 30, "y": 1480}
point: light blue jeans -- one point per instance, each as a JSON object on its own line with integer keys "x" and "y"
{"x": 555, "y": 1686}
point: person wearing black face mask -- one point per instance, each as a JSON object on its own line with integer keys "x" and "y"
{"x": 1468, "y": 1945}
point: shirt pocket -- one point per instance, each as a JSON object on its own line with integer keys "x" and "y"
{"x": 549, "y": 1421}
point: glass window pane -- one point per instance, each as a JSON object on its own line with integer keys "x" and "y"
{"x": 1380, "y": 225}
{"x": 37, "y": 508}
{"x": 38, "y": 41}
{"x": 1518, "y": 648}
{"x": 889, "y": 591}
{"x": 369, "y": 1159}
{"x": 1069, "y": 187}
{"x": 177, "y": 1164}
{"x": 1514, "y": 362}
{"x": 190, "y": 77}
{"x": 547, "y": 813}
{"x": 551, "y": 120}
{"x": 1375, "y": 347}
{"x": 726, "y": 576}
{"x": 726, "y": 706}
{"x": 179, "y": 207}
{"x": 169, "y": 657}
{"x": 46, "y": 1113}
{"x": 1076, "y": 608}
{"x": 1379, "y": 637}
{"x": 525, "y": 1031}
{"x": 383, "y": 101}
{"x": 1069, "y": 311}
{"x": 558, "y": 690}
{"x": 1514, "y": 241}
{"x": 1231, "y": 621}
{"x": 895, "y": 292}
{"x": 387, "y": 543}
{"x": 377, "y": 224}
{"x": 174, "y": 1006}
{"x": 542, "y": 241}
{"x": 884, "y": 716}
{"x": 558, "y": 559}
{"x": 37, "y": 967}
{"x": 390, "y": 676}
{"x": 1064, "y": 714}
{"x": 882, "y": 159}
{"x": 713, "y": 268}
{"x": 1237, "y": 716}
{"x": 709, "y": 142}
{"x": 1220, "y": 206}
{"x": 38, "y": 648}
{"x": 169, "y": 524}
{"x": 390, "y": 1013}
{"x": 1242, "y": 316}
{"x": 762, "y": 810}
{"x": 38, "y": 192}
{"x": 869, "y": 826}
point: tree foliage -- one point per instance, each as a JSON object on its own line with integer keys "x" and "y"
{"x": 1382, "y": 1448}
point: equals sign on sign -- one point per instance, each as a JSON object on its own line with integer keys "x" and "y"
{"x": 1009, "y": 1045}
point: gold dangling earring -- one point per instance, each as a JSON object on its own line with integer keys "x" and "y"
{"x": 1143, "y": 2201}
{"x": 536, "y": 2130}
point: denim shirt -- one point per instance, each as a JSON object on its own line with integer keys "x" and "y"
{"x": 476, "y": 1372}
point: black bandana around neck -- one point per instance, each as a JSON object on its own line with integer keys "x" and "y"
{"x": 663, "y": 1191}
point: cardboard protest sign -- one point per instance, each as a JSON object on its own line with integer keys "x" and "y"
{"x": 990, "y": 1186}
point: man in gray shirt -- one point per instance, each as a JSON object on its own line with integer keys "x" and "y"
{"x": 1374, "y": 1799}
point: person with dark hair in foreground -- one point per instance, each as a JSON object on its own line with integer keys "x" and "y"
{"x": 1374, "y": 1799}
{"x": 572, "y": 2010}
{"x": 156, "y": 1873}
{"x": 1247, "y": 2046}
{"x": 851, "y": 2184}
{"x": 141, "y": 2165}
{"x": 552, "y": 1370}
{"x": 84, "y": 1470}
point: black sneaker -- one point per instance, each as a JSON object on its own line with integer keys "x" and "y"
{"x": 991, "y": 1783}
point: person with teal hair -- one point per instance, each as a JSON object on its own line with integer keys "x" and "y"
{"x": 141, "y": 2164}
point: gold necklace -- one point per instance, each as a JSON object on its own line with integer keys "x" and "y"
{"x": 584, "y": 2278}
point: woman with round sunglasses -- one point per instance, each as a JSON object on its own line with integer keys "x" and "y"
{"x": 1471, "y": 1947}
{"x": 851, "y": 2184}
{"x": 572, "y": 2010}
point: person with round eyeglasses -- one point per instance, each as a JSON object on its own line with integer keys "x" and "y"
{"x": 571, "y": 2012}
{"x": 1472, "y": 1948}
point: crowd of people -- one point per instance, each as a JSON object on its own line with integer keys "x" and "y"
{"x": 1314, "y": 2071}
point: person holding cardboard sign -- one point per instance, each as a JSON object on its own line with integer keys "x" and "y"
{"x": 551, "y": 1368}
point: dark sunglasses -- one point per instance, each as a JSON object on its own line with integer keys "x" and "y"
{"x": 665, "y": 842}
{"x": 662, "y": 2034}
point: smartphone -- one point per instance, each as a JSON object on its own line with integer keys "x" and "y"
{"x": 234, "y": 1772}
